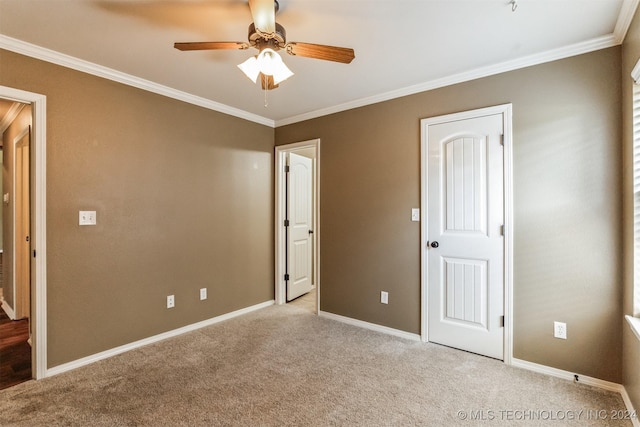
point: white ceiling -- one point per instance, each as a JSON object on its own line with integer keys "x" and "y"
{"x": 401, "y": 46}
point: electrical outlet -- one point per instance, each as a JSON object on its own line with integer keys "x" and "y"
{"x": 171, "y": 301}
{"x": 203, "y": 294}
{"x": 560, "y": 330}
{"x": 384, "y": 297}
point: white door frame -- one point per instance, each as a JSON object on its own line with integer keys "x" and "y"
{"x": 14, "y": 195}
{"x": 38, "y": 233}
{"x": 506, "y": 111}
{"x": 280, "y": 213}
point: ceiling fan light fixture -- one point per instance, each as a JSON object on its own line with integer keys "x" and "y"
{"x": 269, "y": 63}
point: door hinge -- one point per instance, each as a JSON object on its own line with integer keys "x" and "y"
{"x": 502, "y": 139}
{"x": 286, "y": 277}
{"x": 502, "y": 230}
{"x": 286, "y": 169}
{"x": 502, "y": 321}
{"x": 286, "y": 222}
{"x": 34, "y": 253}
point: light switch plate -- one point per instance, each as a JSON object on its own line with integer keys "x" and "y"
{"x": 415, "y": 214}
{"x": 384, "y": 297}
{"x": 87, "y": 218}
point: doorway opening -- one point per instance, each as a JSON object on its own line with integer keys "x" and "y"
{"x": 466, "y": 231}
{"x": 22, "y": 237}
{"x": 15, "y": 331}
{"x": 297, "y": 227}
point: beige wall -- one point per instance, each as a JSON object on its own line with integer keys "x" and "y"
{"x": 567, "y": 203}
{"x": 631, "y": 345}
{"x": 19, "y": 124}
{"x": 184, "y": 200}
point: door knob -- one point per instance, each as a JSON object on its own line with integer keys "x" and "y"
{"x": 310, "y": 231}
{"x": 434, "y": 245}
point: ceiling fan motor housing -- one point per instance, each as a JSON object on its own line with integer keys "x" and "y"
{"x": 274, "y": 41}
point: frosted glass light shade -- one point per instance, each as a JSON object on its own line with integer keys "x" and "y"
{"x": 269, "y": 63}
{"x": 250, "y": 68}
{"x": 275, "y": 66}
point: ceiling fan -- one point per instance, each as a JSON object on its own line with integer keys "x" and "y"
{"x": 266, "y": 35}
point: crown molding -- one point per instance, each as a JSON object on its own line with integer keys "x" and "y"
{"x": 627, "y": 11}
{"x": 48, "y": 55}
{"x": 526, "y": 61}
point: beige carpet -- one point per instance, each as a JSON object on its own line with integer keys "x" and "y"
{"x": 306, "y": 301}
{"x": 284, "y": 366}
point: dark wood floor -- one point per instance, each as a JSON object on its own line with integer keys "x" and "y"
{"x": 15, "y": 351}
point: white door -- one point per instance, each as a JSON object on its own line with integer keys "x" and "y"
{"x": 300, "y": 216}
{"x": 465, "y": 232}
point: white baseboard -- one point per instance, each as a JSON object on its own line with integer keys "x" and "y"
{"x": 7, "y": 309}
{"x": 372, "y": 326}
{"x": 560, "y": 373}
{"x": 146, "y": 341}
{"x": 630, "y": 408}
{"x": 571, "y": 376}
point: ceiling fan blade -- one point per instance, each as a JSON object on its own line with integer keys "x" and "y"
{"x": 211, "y": 46}
{"x": 319, "y": 51}
{"x": 264, "y": 15}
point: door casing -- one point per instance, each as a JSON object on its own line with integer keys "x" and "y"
{"x": 506, "y": 111}
{"x": 280, "y": 215}
{"x": 21, "y": 221}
